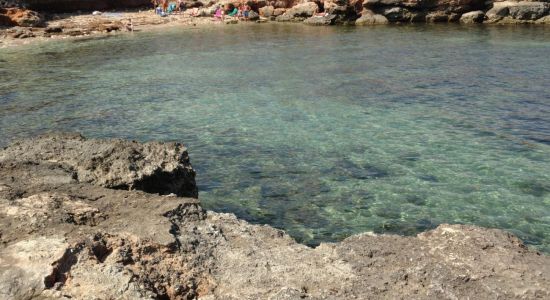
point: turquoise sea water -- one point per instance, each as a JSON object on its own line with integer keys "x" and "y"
{"x": 324, "y": 132}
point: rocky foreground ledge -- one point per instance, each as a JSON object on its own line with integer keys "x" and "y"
{"x": 86, "y": 219}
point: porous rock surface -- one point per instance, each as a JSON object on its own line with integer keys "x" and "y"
{"x": 152, "y": 167}
{"x": 64, "y": 238}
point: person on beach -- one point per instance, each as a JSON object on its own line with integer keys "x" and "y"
{"x": 246, "y": 10}
{"x": 241, "y": 8}
{"x": 219, "y": 13}
{"x": 194, "y": 12}
{"x": 130, "y": 25}
{"x": 233, "y": 12}
{"x": 182, "y": 6}
{"x": 165, "y": 6}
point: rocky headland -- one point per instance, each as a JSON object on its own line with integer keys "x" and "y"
{"x": 113, "y": 219}
{"x": 22, "y": 19}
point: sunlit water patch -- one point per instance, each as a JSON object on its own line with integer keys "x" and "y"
{"x": 324, "y": 132}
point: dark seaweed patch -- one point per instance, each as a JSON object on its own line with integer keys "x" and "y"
{"x": 535, "y": 188}
{"x": 415, "y": 199}
{"x": 429, "y": 178}
{"x": 348, "y": 169}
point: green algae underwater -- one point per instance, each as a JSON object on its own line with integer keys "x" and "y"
{"x": 323, "y": 132}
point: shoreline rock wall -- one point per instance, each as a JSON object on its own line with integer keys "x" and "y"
{"x": 66, "y": 233}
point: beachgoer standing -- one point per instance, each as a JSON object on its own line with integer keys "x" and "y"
{"x": 245, "y": 11}
{"x": 219, "y": 13}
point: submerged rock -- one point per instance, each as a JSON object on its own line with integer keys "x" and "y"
{"x": 63, "y": 237}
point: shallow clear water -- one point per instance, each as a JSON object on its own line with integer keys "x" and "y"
{"x": 324, "y": 132}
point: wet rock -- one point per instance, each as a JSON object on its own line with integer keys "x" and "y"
{"x": 437, "y": 17}
{"x": 370, "y": 18}
{"x": 472, "y": 17}
{"x": 397, "y": 14}
{"x": 321, "y": 20}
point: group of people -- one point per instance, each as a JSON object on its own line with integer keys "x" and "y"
{"x": 166, "y": 7}
{"x": 241, "y": 11}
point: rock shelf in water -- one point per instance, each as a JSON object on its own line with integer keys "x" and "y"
{"x": 76, "y": 221}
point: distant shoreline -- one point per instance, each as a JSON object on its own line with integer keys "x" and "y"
{"x": 84, "y": 25}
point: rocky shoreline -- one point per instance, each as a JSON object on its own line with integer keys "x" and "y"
{"x": 46, "y": 19}
{"x": 101, "y": 219}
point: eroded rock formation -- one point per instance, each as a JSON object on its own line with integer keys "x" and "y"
{"x": 63, "y": 237}
{"x": 20, "y": 17}
{"x": 162, "y": 168}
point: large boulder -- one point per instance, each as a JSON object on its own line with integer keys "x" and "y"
{"x": 529, "y": 10}
{"x": 497, "y": 13}
{"x": 543, "y": 20}
{"x": 513, "y": 11}
{"x": 327, "y": 19}
{"x": 472, "y": 17}
{"x": 299, "y": 12}
{"x": 152, "y": 167}
{"x": 345, "y": 10}
{"x": 398, "y": 14}
{"x": 370, "y": 18}
{"x": 266, "y": 11}
{"x": 20, "y": 17}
